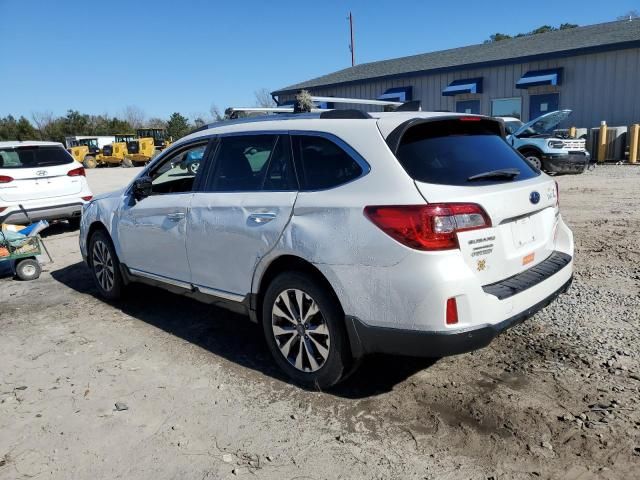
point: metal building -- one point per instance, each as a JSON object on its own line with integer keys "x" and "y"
{"x": 592, "y": 70}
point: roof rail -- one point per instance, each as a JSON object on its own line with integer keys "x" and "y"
{"x": 357, "y": 101}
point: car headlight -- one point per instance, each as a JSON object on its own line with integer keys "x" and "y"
{"x": 556, "y": 144}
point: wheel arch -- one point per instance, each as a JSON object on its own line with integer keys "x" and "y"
{"x": 288, "y": 263}
{"x": 93, "y": 228}
{"x": 530, "y": 148}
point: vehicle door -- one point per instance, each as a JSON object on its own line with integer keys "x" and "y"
{"x": 152, "y": 231}
{"x": 241, "y": 211}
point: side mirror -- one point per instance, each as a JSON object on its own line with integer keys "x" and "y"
{"x": 142, "y": 188}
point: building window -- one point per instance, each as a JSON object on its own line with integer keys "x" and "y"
{"x": 468, "y": 106}
{"x": 506, "y": 107}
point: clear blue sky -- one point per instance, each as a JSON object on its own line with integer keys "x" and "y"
{"x": 165, "y": 56}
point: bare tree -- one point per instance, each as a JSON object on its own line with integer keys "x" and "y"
{"x": 42, "y": 121}
{"x": 264, "y": 98}
{"x": 215, "y": 112}
{"x": 630, "y": 15}
{"x": 134, "y": 115}
{"x": 155, "y": 122}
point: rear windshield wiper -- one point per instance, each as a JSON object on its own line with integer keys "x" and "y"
{"x": 509, "y": 173}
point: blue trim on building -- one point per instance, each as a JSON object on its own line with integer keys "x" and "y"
{"x": 397, "y": 94}
{"x": 535, "y": 78}
{"x": 469, "y": 85}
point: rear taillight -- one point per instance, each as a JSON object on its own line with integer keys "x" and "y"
{"x": 2, "y": 209}
{"x": 5, "y": 179}
{"x": 76, "y": 172}
{"x": 87, "y": 198}
{"x": 452, "y": 311}
{"x": 557, "y": 194}
{"x": 428, "y": 227}
{"x": 470, "y": 119}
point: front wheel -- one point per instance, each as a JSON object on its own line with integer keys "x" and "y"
{"x": 534, "y": 160}
{"x": 28, "y": 269}
{"x": 105, "y": 267}
{"x": 304, "y": 328}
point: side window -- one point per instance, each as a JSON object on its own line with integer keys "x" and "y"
{"x": 251, "y": 163}
{"x": 177, "y": 172}
{"x": 322, "y": 164}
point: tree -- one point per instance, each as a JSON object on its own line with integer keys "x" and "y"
{"x": 21, "y": 129}
{"x": 542, "y": 29}
{"x": 43, "y": 121}
{"x": 630, "y": 15}
{"x": 134, "y": 116}
{"x": 496, "y": 37}
{"x": 155, "y": 122}
{"x": 264, "y": 98}
{"x": 215, "y": 113}
{"x": 199, "y": 122}
{"x": 566, "y": 26}
{"x": 178, "y": 126}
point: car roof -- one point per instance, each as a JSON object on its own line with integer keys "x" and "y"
{"x": 28, "y": 143}
{"x": 510, "y": 119}
{"x": 386, "y": 121}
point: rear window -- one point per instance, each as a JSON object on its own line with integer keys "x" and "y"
{"x": 449, "y": 152}
{"x": 34, "y": 157}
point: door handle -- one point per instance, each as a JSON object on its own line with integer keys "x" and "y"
{"x": 262, "y": 218}
{"x": 176, "y": 217}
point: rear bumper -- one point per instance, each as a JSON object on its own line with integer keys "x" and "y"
{"x": 366, "y": 339}
{"x": 569, "y": 163}
{"x": 52, "y": 212}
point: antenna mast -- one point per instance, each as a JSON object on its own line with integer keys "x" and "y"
{"x": 351, "y": 45}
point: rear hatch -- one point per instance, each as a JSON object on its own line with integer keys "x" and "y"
{"x": 466, "y": 160}
{"x": 37, "y": 172}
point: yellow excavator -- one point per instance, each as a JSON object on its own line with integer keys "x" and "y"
{"x": 116, "y": 153}
{"x": 86, "y": 151}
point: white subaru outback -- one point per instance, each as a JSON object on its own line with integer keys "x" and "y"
{"x": 342, "y": 233}
{"x": 40, "y": 181}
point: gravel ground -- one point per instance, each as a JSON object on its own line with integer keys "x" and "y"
{"x": 164, "y": 387}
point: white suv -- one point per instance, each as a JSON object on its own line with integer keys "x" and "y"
{"x": 342, "y": 233}
{"x": 40, "y": 181}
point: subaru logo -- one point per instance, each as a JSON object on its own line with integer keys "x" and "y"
{"x": 41, "y": 173}
{"x": 534, "y": 197}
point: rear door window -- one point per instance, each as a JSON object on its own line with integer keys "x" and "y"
{"x": 450, "y": 152}
{"x": 322, "y": 164}
{"x": 34, "y": 157}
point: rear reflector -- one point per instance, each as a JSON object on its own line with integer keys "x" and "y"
{"x": 428, "y": 227}
{"x": 5, "y": 179}
{"x": 76, "y": 172}
{"x": 87, "y": 198}
{"x": 452, "y": 311}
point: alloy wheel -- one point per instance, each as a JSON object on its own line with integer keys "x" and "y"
{"x": 300, "y": 330}
{"x": 103, "y": 265}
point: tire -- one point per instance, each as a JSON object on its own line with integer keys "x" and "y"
{"x": 74, "y": 223}
{"x": 314, "y": 353}
{"x": 193, "y": 167}
{"x": 89, "y": 162}
{"x": 105, "y": 267}
{"x": 127, "y": 162}
{"x": 28, "y": 269}
{"x": 534, "y": 159}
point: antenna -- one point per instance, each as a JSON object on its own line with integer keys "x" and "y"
{"x": 351, "y": 45}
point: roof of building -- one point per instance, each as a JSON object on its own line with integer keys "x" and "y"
{"x": 603, "y": 36}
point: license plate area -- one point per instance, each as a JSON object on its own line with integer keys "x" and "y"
{"x": 523, "y": 232}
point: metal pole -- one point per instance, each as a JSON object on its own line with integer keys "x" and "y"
{"x": 352, "y": 46}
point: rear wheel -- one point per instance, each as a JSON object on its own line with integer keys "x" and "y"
{"x": 105, "y": 266}
{"x": 28, "y": 269}
{"x": 304, "y": 328}
{"x": 89, "y": 162}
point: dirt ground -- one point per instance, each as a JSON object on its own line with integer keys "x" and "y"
{"x": 198, "y": 396}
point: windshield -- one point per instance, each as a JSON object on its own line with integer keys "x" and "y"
{"x": 34, "y": 157}
{"x": 450, "y": 152}
{"x": 512, "y": 126}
